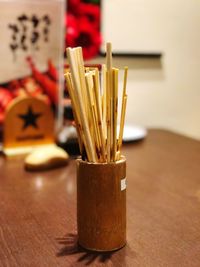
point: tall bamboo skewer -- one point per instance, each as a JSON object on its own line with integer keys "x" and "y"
{"x": 99, "y": 113}
{"x": 89, "y": 86}
{"x": 125, "y": 81}
{"x": 97, "y": 91}
{"x": 81, "y": 71}
{"x": 75, "y": 111}
{"x": 109, "y": 56}
{"x": 108, "y": 93}
{"x": 115, "y": 111}
{"x": 108, "y": 117}
{"x": 111, "y": 129}
{"x": 104, "y": 101}
{"x": 91, "y": 120}
{"x": 88, "y": 146}
{"x": 123, "y": 112}
{"x": 122, "y": 107}
{"x": 89, "y": 78}
{"x": 98, "y": 141}
{"x": 73, "y": 98}
{"x": 77, "y": 118}
{"x": 111, "y": 116}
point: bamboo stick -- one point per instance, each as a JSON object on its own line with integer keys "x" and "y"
{"x": 108, "y": 116}
{"x": 88, "y": 146}
{"x": 99, "y": 113}
{"x": 123, "y": 108}
{"x": 81, "y": 71}
{"x": 109, "y": 56}
{"x": 125, "y": 81}
{"x": 75, "y": 112}
{"x": 98, "y": 142}
{"x": 104, "y": 101}
{"x": 111, "y": 129}
{"x": 122, "y": 122}
{"x": 89, "y": 80}
{"x": 109, "y": 95}
{"x": 115, "y": 111}
{"x": 89, "y": 87}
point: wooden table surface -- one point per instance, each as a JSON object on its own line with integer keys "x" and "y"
{"x": 38, "y": 210}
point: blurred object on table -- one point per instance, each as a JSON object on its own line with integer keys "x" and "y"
{"x": 133, "y": 133}
{"x": 46, "y": 158}
{"x": 29, "y": 123}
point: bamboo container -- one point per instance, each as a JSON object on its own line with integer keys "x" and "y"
{"x": 101, "y": 205}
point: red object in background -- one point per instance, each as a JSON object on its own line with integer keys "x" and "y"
{"x": 82, "y": 24}
{"x": 92, "y": 12}
{"x": 50, "y": 87}
{"x": 72, "y": 30}
{"x": 34, "y": 86}
{"x": 73, "y": 7}
{"x": 89, "y": 39}
{"x": 31, "y": 87}
{"x": 5, "y": 98}
{"x": 52, "y": 71}
{"x": 16, "y": 88}
{"x": 85, "y": 36}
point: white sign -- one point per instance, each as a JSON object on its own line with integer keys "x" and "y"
{"x": 123, "y": 184}
{"x": 30, "y": 28}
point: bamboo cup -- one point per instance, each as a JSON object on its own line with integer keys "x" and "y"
{"x": 101, "y": 205}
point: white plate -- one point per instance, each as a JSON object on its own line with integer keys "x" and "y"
{"x": 133, "y": 133}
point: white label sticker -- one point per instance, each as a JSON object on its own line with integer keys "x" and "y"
{"x": 123, "y": 184}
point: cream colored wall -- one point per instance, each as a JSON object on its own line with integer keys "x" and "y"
{"x": 166, "y": 93}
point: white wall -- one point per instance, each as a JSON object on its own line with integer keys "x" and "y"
{"x": 166, "y": 94}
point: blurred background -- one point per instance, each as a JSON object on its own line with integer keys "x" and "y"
{"x": 160, "y": 43}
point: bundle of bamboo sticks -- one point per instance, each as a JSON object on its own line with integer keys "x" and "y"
{"x": 95, "y": 107}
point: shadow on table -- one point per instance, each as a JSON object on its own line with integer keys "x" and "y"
{"x": 71, "y": 247}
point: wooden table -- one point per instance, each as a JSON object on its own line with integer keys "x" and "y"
{"x": 38, "y": 210}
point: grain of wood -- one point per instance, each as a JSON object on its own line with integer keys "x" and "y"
{"x": 38, "y": 210}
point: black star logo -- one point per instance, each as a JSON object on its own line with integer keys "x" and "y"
{"x": 30, "y": 118}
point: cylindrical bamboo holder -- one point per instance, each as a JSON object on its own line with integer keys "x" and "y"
{"x": 101, "y": 205}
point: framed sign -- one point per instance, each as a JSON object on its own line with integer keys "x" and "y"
{"x": 32, "y": 42}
